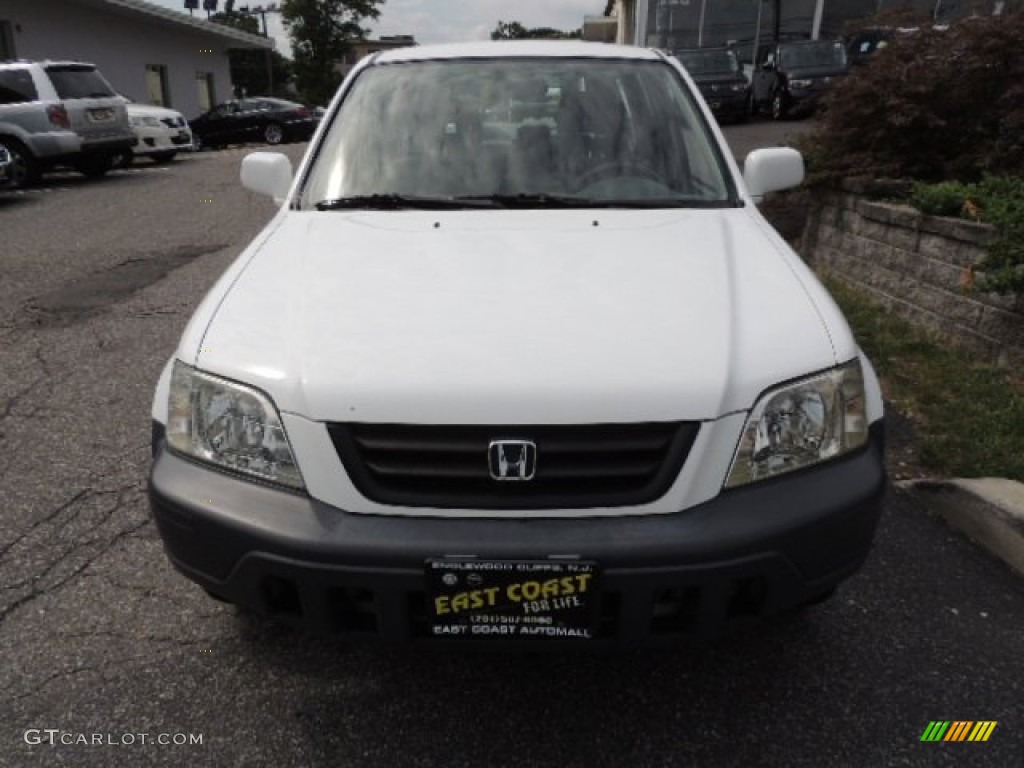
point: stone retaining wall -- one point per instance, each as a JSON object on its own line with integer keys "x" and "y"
{"x": 919, "y": 267}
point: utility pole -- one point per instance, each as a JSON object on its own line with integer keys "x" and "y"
{"x": 262, "y": 12}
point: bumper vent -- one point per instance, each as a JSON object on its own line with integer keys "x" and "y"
{"x": 578, "y": 466}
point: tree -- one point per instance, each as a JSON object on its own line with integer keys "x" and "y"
{"x": 248, "y": 66}
{"x": 513, "y": 30}
{"x": 322, "y": 32}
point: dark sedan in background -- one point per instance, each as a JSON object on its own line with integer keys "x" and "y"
{"x": 790, "y": 77}
{"x": 264, "y": 119}
{"x": 718, "y": 74}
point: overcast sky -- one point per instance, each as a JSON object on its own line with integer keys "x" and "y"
{"x": 447, "y": 21}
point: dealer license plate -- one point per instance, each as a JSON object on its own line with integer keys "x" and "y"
{"x": 101, "y": 115}
{"x": 511, "y": 599}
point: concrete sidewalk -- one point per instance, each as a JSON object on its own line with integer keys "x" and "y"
{"x": 990, "y": 511}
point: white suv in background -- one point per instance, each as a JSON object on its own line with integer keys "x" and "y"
{"x": 60, "y": 113}
{"x": 160, "y": 133}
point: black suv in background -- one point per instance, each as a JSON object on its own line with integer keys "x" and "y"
{"x": 718, "y": 74}
{"x": 790, "y": 77}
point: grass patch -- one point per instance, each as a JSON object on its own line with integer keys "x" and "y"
{"x": 968, "y": 414}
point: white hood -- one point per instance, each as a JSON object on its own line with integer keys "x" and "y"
{"x": 148, "y": 110}
{"x": 460, "y": 317}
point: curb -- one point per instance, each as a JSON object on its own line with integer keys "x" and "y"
{"x": 989, "y": 510}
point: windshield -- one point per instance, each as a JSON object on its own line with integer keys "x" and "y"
{"x": 710, "y": 62}
{"x": 79, "y": 83}
{"x": 810, "y": 55}
{"x": 533, "y": 132}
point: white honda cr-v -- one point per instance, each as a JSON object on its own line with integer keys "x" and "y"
{"x": 518, "y": 362}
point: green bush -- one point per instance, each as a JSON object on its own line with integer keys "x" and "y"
{"x": 998, "y": 200}
{"x": 946, "y": 198}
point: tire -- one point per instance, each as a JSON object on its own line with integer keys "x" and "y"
{"x": 197, "y": 143}
{"x": 778, "y": 106}
{"x": 94, "y": 167}
{"x": 163, "y": 157}
{"x": 273, "y": 134}
{"x": 217, "y": 597}
{"x": 747, "y": 110}
{"x": 820, "y": 598}
{"x": 27, "y": 170}
{"x": 123, "y": 160}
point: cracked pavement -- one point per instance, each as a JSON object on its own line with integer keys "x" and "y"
{"x": 99, "y": 635}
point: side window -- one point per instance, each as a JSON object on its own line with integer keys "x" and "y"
{"x": 16, "y": 86}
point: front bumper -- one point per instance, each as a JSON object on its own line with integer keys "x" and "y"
{"x": 150, "y": 141}
{"x": 727, "y": 104}
{"x": 750, "y": 553}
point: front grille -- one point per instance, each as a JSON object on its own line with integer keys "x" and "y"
{"x": 578, "y": 466}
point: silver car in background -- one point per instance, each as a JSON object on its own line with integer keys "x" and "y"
{"x": 60, "y": 113}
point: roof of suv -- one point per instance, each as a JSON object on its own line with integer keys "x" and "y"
{"x": 516, "y": 49}
{"x": 46, "y": 63}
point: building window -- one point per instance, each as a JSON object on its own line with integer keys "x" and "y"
{"x": 6, "y": 41}
{"x": 157, "y": 85}
{"x": 207, "y": 96}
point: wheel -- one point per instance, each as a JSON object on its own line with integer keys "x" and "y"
{"x": 94, "y": 166}
{"x": 273, "y": 133}
{"x": 615, "y": 168}
{"x": 747, "y": 110}
{"x": 122, "y": 160}
{"x": 26, "y": 170}
{"x": 218, "y": 598}
{"x": 820, "y": 598}
{"x": 197, "y": 143}
{"x": 751, "y": 106}
{"x": 163, "y": 157}
{"x": 778, "y": 106}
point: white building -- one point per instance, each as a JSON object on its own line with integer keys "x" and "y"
{"x": 149, "y": 53}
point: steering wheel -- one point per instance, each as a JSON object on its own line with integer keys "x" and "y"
{"x": 616, "y": 169}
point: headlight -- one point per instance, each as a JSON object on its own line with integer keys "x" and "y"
{"x": 230, "y": 425}
{"x": 801, "y": 83}
{"x": 737, "y": 87}
{"x": 800, "y": 424}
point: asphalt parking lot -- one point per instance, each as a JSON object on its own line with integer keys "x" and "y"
{"x": 106, "y": 652}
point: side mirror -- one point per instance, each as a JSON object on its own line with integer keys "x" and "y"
{"x": 771, "y": 170}
{"x": 269, "y": 173}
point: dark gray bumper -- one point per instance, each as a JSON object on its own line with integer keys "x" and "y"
{"x": 747, "y": 554}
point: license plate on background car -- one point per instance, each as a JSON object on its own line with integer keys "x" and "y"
{"x": 511, "y": 599}
{"x": 101, "y": 115}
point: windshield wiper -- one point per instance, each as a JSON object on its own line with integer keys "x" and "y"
{"x": 392, "y": 202}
